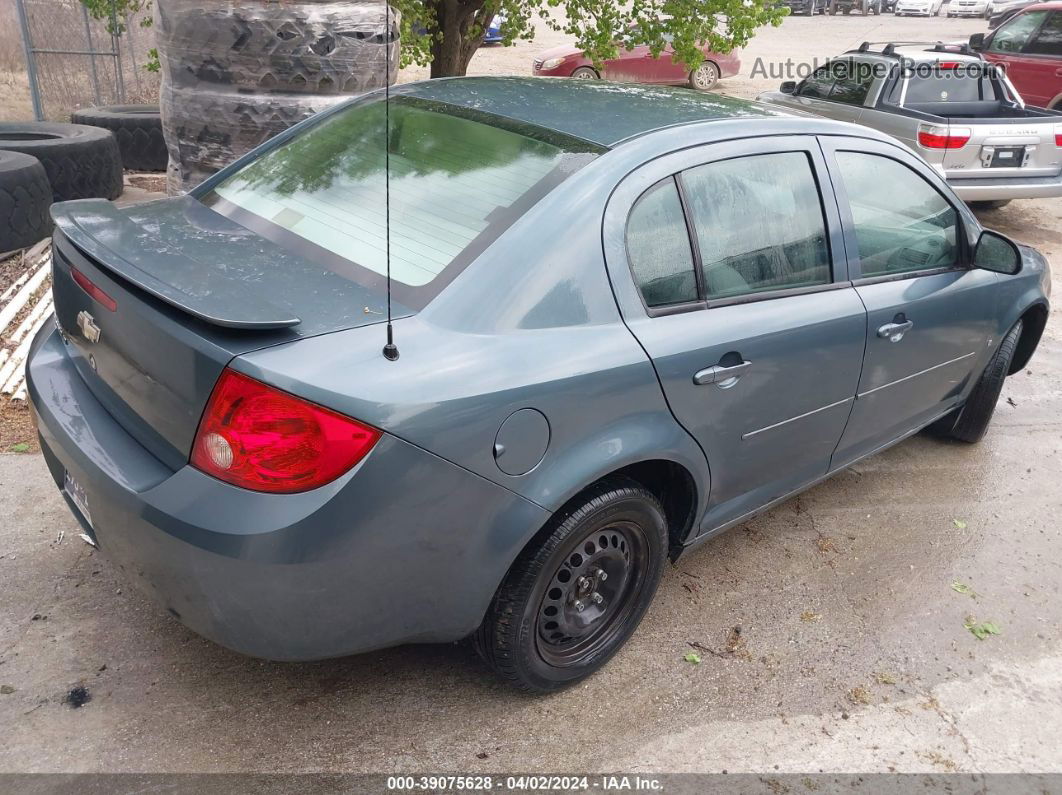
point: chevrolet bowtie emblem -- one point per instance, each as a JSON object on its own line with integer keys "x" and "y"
{"x": 88, "y": 326}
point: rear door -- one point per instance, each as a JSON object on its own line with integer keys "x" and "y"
{"x": 929, "y": 315}
{"x": 747, "y": 314}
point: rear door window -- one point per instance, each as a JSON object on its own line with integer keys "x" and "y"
{"x": 658, "y": 247}
{"x": 758, "y": 223}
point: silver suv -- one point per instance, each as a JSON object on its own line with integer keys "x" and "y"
{"x": 958, "y": 111}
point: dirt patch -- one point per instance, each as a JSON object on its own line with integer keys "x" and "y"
{"x": 16, "y": 427}
{"x": 156, "y": 183}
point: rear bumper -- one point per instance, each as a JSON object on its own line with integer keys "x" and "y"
{"x": 1004, "y": 189}
{"x": 406, "y": 547}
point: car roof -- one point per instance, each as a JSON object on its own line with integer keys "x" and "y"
{"x": 598, "y": 111}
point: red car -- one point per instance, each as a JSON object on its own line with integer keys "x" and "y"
{"x": 637, "y": 65}
{"x": 1029, "y": 46}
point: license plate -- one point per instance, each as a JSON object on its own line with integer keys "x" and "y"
{"x": 76, "y": 492}
{"x": 1007, "y": 157}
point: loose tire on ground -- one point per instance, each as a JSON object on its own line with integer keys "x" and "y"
{"x": 136, "y": 128}
{"x": 25, "y": 197}
{"x": 81, "y": 162}
{"x": 969, "y": 423}
{"x": 579, "y": 591}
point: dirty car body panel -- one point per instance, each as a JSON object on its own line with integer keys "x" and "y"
{"x": 537, "y": 366}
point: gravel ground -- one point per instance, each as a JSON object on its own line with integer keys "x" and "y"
{"x": 852, "y": 653}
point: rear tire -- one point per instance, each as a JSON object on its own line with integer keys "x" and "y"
{"x": 969, "y": 423}
{"x": 25, "y": 197}
{"x": 138, "y": 130}
{"x": 81, "y": 162}
{"x": 575, "y": 596}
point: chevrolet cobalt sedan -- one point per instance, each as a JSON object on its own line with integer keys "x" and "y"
{"x": 625, "y": 320}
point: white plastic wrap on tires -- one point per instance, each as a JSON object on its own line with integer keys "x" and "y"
{"x": 236, "y": 73}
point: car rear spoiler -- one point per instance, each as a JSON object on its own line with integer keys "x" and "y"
{"x": 102, "y": 232}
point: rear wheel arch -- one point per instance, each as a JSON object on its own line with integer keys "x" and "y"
{"x": 1034, "y": 320}
{"x": 673, "y": 485}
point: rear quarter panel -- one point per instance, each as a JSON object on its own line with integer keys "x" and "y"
{"x": 531, "y": 324}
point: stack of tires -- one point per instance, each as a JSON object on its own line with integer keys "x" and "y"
{"x": 136, "y": 128}
{"x": 42, "y": 162}
{"x": 237, "y": 72}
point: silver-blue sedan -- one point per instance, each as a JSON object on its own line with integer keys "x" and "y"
{"x": 625, "y": 319}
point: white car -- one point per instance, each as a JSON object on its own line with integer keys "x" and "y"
{"x": 918, "y": 8}
{"x": 968, "y": 8}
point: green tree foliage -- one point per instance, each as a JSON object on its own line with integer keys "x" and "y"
{"x": 115, "y": 13}
{"x": 447, "y": 33}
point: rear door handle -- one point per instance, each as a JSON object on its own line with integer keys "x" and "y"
{"x": 718, "y": 374}
{"x": 894, "y": 331}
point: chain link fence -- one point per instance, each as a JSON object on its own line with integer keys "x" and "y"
{"x": 73, "y": 61}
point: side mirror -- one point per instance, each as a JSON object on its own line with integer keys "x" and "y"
{"x": 788, "y": 87}
{"x": 977, "y": 41}
{"x": 996, "y": 253}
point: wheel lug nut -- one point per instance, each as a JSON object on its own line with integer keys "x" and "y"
{"x": 583, "y": 582}
{"x": 579, "y": 605}
{"x": 603, "y": 577}
{"x": 598, "y": 599}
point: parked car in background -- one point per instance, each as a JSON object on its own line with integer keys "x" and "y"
{"x": 636, "y": 64}
{"x": 967, "y": 8}
{"x": 1029, "y": 46}
{"x": 864, "y": 7}
{"x": 953, "y": 108}
{"x": 918, "y": 8}
{"x": 1002, "y": 10}
{"x": 628, "y": 320}
{"x": 806, "y": 8}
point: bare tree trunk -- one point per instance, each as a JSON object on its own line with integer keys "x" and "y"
{"x": 461, "y": 36}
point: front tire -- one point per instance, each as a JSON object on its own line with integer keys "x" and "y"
{"x": 704, "y": 77}
{"x": 573, "y": 598}
{"x": 586, "y": 73}
{"x": 969, "y": 423}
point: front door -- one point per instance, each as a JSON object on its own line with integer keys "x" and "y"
{"x": 1030, "y": 46}
{"x": 929, "y": 315}
{"x": 755, "y": 337}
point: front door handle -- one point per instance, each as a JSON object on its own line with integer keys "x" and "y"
{"x": 718, "y": 374}
{"x": 894, "y": 331}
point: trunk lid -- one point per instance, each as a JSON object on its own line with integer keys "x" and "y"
{"x": 1007, "y": 147}
{"x": 192, "y": 290}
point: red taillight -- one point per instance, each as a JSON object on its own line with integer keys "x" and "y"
{"x": 937, "y": 137}
{"x": 1058, "y": 135}
{"x": 86, "y": 284}
{"x": 259, "y": 438}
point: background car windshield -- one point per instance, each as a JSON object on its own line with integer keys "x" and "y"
{"x": 457, "y": 181}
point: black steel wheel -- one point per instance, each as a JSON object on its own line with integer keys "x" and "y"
{"x": 574, "y": 596}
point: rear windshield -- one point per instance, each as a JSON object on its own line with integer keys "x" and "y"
{"x": 972, "y": 84}
{"x": 458, "y": 178}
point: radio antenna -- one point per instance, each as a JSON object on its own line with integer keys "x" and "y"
{"x": 390, "y": 350}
